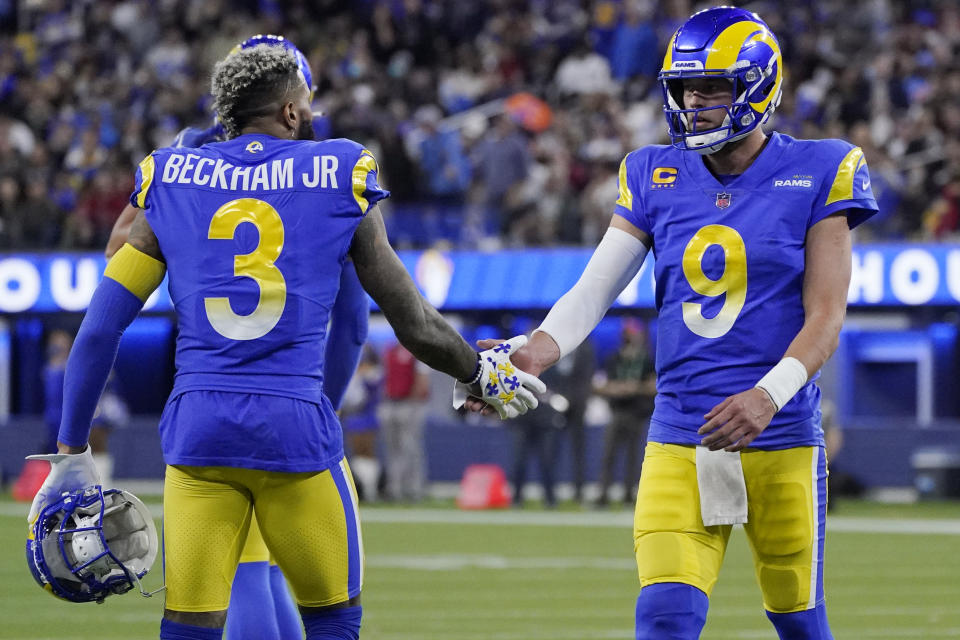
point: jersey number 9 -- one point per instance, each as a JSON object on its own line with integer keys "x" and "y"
{"x": 732, "y": 282}
{"x": 257, "y": 265}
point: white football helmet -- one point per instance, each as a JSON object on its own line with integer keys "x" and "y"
{"x": 92, "y": 543}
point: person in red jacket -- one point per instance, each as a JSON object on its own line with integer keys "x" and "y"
{"x": 402, "y": 413}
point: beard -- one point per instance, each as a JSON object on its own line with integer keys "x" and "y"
{"x": 305, "y": 130}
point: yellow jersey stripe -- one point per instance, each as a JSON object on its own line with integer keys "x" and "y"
{"x": 365, "y": 164}
{"x": 842, "y": 188}
{"x": 626, "y": 197}
{"x": 139, "y": 273}
{"x": 147, "y": 168}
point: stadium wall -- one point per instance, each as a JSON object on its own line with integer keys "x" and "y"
{"x": 876, "y": 452}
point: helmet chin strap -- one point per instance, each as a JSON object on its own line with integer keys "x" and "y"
{"x": 707, "y": 149}
{"x": 703, "y": 143}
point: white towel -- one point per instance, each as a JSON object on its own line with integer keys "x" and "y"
{"x": 723, "y": 492}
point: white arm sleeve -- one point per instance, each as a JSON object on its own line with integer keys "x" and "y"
{"x": 613, "y": 265}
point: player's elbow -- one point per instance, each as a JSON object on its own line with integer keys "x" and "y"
{"x": 414, "y": 339}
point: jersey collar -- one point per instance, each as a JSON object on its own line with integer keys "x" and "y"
{"x": 763, "y": 166}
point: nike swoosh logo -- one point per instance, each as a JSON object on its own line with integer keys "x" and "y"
{"x": 865, "y": 184}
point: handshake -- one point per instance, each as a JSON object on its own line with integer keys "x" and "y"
{"x": 498, "y": 384}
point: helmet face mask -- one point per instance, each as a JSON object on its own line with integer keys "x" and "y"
{"x": 729, "y": 43}
{"x": 91, "y": 544}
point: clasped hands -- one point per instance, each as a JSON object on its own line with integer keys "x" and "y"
{"x": 502, "y": 386}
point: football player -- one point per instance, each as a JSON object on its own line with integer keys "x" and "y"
{"x": 254, "y": 232}
{"x": 260, "y": 604}
{"x": 751, "y": 234}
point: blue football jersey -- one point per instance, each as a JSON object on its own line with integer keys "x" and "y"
{"x": 729, "y": 272}
{"x": 255, "y": 231}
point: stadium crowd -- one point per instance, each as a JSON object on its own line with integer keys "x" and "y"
{"x": 496, "y": 122}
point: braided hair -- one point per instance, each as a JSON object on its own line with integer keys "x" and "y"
{"x": 248, "y": 84}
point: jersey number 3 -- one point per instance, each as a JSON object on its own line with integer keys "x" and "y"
{"x": 257, "y": 265}
{"x": 732, "y": 282}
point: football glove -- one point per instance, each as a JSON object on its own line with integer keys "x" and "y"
{"x": 68, "y": 473}
{"x": 499, "y": 383}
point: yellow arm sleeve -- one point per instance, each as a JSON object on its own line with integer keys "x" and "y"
{"x": 139, "y": 273}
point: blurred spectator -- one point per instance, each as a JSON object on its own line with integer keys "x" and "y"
{"x": 502, "y": 161}
{"x": 59, "y": 343}
{"x": 169, "y": 59}
{"x": 87, "y": 156}
{"x": 98, "y": 208}
{"x": 444, "y": 166}
{"x": 360, "y": 424}
{"x": 18, "y": 135}
{"x": 402, "y": 413}
{"x": 10, "y": 212}
{"x": 79, "y": 93}
{"x": 111, "y": 413}
{"x": 629, "y": 387}
{"x": 596, "y": 197}
{"x": 584, "y": 72}
{"x": 537, "y": 434}
{"x": 568, "y": 384}
{"x": 634, "y": 50}
{"x": 39, "y": 220}
{"x": 540, "y": 433}
{"x": 942, "y": 219}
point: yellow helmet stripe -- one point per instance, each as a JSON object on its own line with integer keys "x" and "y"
{"x": 668, "y": 59}
{"x": 842, "y": 188}
{"x": 768, "y": 40}
{"x": 626, "y": 197}
{"x": 726, "y": 47}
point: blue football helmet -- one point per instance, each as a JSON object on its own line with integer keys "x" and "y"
{"x": 91, "y": 544}
{"x": 273, "y": 40}
{"x": 722, "y": 42}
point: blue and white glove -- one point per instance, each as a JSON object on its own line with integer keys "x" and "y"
{"x": 499, "y": 383}
{"x": 68, "y": 472}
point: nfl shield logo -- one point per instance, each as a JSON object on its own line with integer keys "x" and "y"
{"x": 723, "y": 200}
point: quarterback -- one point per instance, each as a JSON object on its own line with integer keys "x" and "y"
{"x": 751, "y": 234}
{"x": 254, "y": 268}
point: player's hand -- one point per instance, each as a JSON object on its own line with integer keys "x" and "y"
{"x": 734, "y": 423}
{"x": 68, "y": 472}
{"x": 529, "y": 358}
{"x": 502, "y": 387}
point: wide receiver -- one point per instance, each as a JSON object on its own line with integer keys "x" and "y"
{"x": 260, "y": 604}
{"x": 752, "y": 241}
{"x": 254, "y": 232}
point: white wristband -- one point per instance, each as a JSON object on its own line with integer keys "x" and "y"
{"x": 783, "y": 381}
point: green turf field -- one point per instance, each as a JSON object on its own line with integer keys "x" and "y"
{"x": 432, "y": 574}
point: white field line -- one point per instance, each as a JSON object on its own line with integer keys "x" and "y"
{"x": 874, "y": 633}
{"x": 618, "y": 519}
{"x": 625, "y": 519}
{"x": 458, "y": 561}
